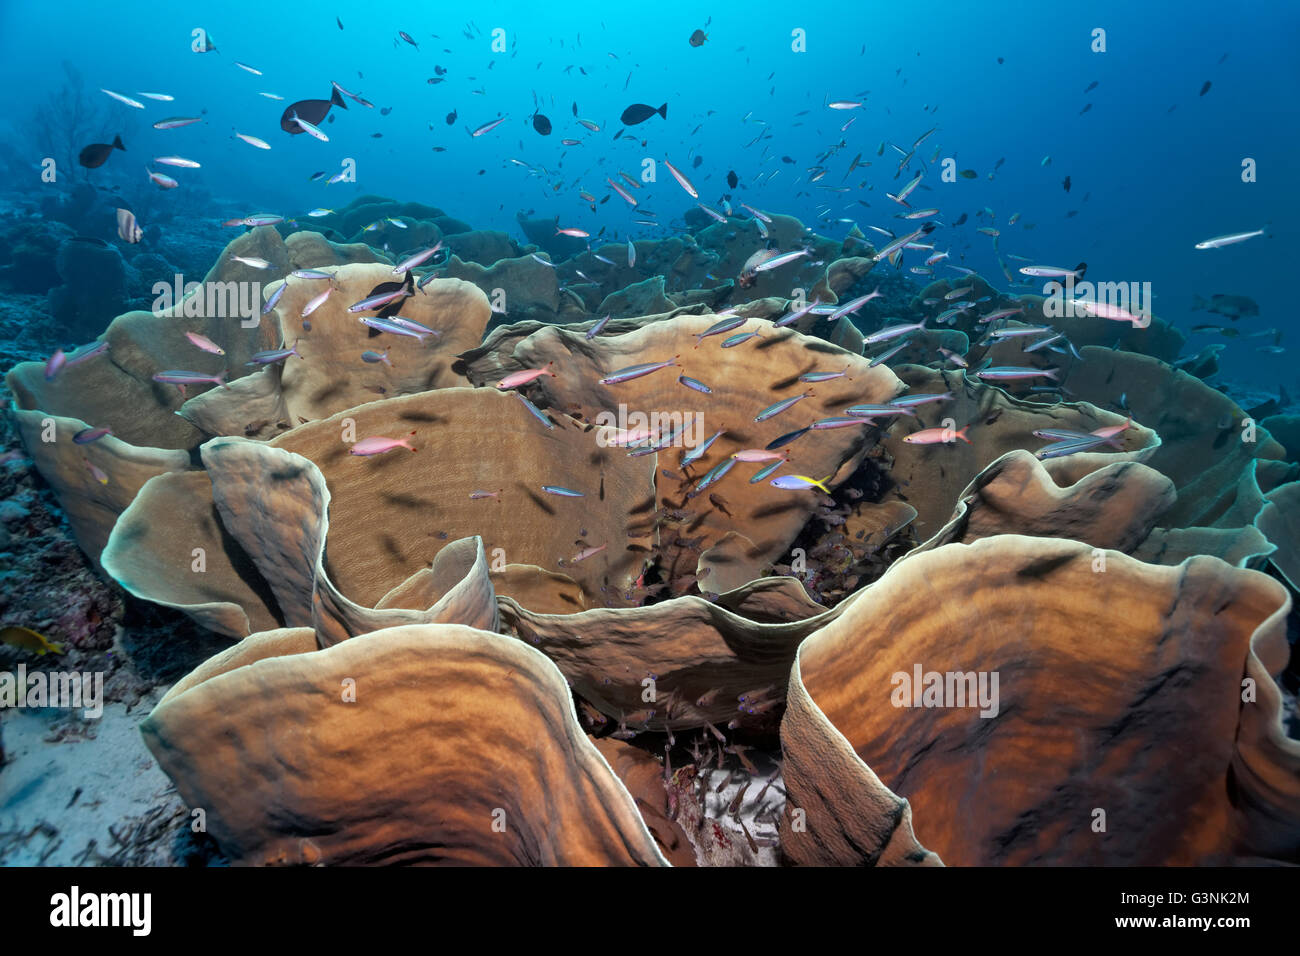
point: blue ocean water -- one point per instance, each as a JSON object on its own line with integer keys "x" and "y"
{"x": 1154, "y": 166}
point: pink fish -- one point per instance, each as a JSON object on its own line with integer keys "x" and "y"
{"x": 757, "y": 455}
{"x": 1104, "y": 310}
{"x": 630, "y": 437}
{"x": 936, "y": 436}
{"x": 96, "y": 472}
{"x": 585, "y": 553}
{"x": 55, "y": 364}
{"x": 205, "y": 343}
{"x": 1110, "y": 431}
{"x": 515, "y": 379}
{"x": 378, "y": 445}
{"x": 316, "y": 303}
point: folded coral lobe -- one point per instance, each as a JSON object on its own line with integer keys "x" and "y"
{"x": 424, "y": 744}
{"x": 1116, "y": 733}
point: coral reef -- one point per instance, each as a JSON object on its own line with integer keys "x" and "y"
{"x": 573, "y": 606}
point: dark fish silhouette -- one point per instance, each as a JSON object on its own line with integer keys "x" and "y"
{"x": 698, "y": 38}
{"x": 1091, "y": 86}
{"x": 1085, "y": 109}
{"x": 96, "y": 154}
{"x": 961, "y": 219}
{"x": 695, "y": 164}
{"x": 1066, "y": 183}
{"x": 407, "y": 37}
{"x": 1206, "y": 88}
{"x": 732, "y": 179}
{"x": 541, "y": 124}
{"x": 451, "y": 118}
{"x": 313, "y": 111}
{"x": 639, "y": 113}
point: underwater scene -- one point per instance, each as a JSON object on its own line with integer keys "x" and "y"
{"x": 587, "y": 435}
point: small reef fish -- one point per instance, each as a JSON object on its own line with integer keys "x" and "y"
{"x": 371, "y": 303}
{"x": 757, "y": 455}
{"x": 682, "y": 180}
{"x": 393, "y": 328}
{"x": 715, "y": 474}
{"x": 204, "y": 343}
{"x": 787, "y": 438}
{"x": 55, "y": 364}
{"x": 839, "y": 421}
{"x": 29, "y": 640}
{"x": 586, "y": 553}
{"x": 912, "y": 401}
{"x": 777, "y": 261}
{"x": 274, "y": 298}
{"x": 533, "y": 410}
{"x": 176, "y": 122}
{"x": 95, "y": 471}
{"x": 378, "y": 445}
{"x": 488, "y": 127}
{"x": 254, "y": 141}
{"x": 253, "y": 262}
{"x": 376, "y": 357}
{"x": 309, "y": 128}
{"x": 182, "y": 378}
{"x": 797, "y": 315}
{"x": 893, "y": 332}
{"x": 316, "y": 302}
{"x": 562, "y": 492}
{"x": 1054, "y": 272}
{"x": 124, "y": 99}
{"x": 936, "y": 436}
{"x": 877, "y": 411}
{"x": 764, "y": 472}
{"x": 271, "y": 356}
{"x": 1218, "y": 242}
{"x": 850, "y": 307}
{"x": 406, "y": 265}
{"x": 1011, "y": 373}
{"x": 128, "y": 229}
{"x": 636, "y": 371}
{"x": 776, "y": 408}
{"x": 88, "y": 435}
{"x": 515, "y": 379}
{"x": 800, "y": 482}
{"x": 699, "y": 451}
{"x": 161, "y": 181}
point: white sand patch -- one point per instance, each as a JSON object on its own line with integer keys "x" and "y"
{"x": 51, "y": 754}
